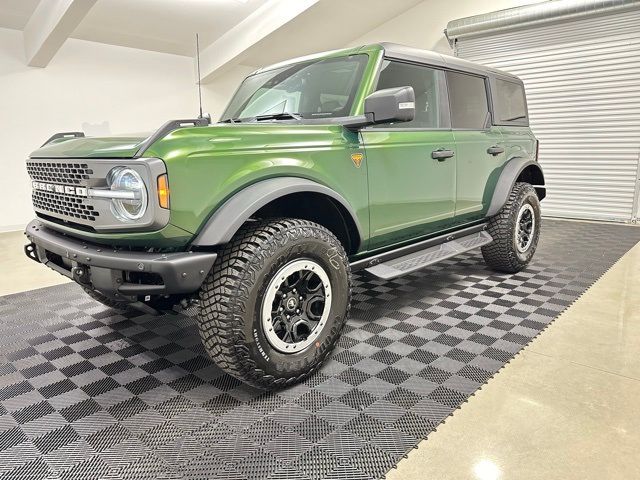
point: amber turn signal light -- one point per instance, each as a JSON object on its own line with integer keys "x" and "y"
{"x": 163, "y": 191}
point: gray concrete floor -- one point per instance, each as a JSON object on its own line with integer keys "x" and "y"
{"x": 17, "y": 272}
{"x": 565, "y": 408}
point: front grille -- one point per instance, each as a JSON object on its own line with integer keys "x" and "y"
{"x": 65, "y": 191}
{"x": 64, "y": 207}
{"x": 70, "y": 173}
{"x": 67, "y": 205}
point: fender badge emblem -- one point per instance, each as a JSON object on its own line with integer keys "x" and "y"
{"x": 356, "y": 158}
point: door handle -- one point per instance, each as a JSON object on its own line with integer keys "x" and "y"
{"x": 495, "y": 150}
{"x": 441, "y": 154}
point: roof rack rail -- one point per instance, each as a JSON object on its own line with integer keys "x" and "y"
{"x": 169, "y": 127}
{"x": 63, "y": 135}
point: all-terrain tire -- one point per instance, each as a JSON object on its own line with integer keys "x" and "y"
{"x": 503, "y": 253}
{"x": 234, "y": 294}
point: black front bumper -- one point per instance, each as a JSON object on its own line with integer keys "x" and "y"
{"x": 112, "y": 271}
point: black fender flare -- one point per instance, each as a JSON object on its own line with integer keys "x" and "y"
{"x": 227, "y": 220}
{"x": 507, "y": 180}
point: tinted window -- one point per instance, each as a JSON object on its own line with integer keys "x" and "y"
{"x": 429, "y": 88}
{"x": 468, "y": 100}
{"x": 510, "y": 102}
{"x": 314, "y": 89}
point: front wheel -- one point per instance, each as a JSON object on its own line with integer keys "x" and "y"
{"x": 515, "y": 231}
{"x": 274, "y": 304}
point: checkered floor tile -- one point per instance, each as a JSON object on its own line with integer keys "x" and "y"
{"x": 88, "y": 393}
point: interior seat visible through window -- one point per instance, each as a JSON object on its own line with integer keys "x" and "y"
{"x": 428, "y": 86}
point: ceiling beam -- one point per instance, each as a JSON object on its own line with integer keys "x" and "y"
{"x": 50, "y": 25}
{"x": 227, "y": 51}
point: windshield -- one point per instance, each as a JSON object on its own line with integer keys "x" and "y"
{"x": 313, "y": 89}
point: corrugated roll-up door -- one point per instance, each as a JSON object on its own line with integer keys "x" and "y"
{"x": 582, "y": 79}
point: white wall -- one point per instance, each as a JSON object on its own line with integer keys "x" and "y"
{"x": 423, "y": 25}
{"x": 217, "y": 92}
{"x": 98, "y": 88}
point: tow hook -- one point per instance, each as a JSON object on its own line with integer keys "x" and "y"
{"x": 81, "y": 274}
{"x": 30, "y": 251}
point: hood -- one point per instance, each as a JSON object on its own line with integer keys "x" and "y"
{"x": 216, "y": 139}
{"x": 91, "y": 147}
{"x": 247, "y": 138}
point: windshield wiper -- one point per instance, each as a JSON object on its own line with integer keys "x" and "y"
{"x": 230, "y": 120}
{"x": 279, "y": 116}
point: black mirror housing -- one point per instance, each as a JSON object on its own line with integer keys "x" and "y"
{"x": 391, "y": 105}
{"x": 385, "y": 106}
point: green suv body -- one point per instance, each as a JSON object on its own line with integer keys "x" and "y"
{"x": 383, "y": 157}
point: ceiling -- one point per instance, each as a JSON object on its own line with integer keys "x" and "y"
{"x": 15, "y": 13}
{"x": 163, "y": 25}
{"x": 169, "y": 26}
{"x": 328, "y": 25}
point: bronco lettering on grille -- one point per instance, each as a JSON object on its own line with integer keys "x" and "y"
{"x": 56, "y": 188}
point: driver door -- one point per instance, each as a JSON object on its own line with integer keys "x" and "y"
{"x": 411, "y": 165}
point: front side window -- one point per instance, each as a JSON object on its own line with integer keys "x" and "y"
{"x": 429, "y": 88}
{"x": 314, "y": 89}
{"x": 468, "y": 100}
{"x": 510, "y": 102}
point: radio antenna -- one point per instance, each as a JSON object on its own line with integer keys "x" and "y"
{"x": 199, "y": 79}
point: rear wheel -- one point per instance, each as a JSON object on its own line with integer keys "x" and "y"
{"x": 515, "y": 231}
{"x": 275, "y": 302}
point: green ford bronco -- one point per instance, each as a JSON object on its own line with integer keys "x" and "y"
{"x": 381, "y": 158}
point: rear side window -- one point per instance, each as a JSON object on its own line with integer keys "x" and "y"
{"x": 429, "y": 88}
{"x": 510, "y": 102}
{"x": 468, "y": 100}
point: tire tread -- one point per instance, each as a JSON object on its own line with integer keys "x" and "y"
{"x": 224, "y": 293}
{"x": 500, "y": 254}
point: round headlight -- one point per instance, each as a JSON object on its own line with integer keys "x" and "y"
{"x": 131, "y": 201}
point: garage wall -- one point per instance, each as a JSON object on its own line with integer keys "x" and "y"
{"x": 101, "y": 89}
{"x": 583, "y": 87}
{"x": 423, "y": 25}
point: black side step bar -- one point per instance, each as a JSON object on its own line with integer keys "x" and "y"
{"x": 429, "y": 256}
{"x": 415, "y": 247}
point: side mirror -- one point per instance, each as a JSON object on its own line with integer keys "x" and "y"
{"x": 391, "y": 105}
{"x": 385, "y": 106}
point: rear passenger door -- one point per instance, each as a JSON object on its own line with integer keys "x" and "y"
{"x": 411, "y": 193}
{"x": 480, "y": 152}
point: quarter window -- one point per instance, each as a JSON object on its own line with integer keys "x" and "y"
{"x": 429, "y": 88}
{"x": 468, "y": 100}
{"x": 510, "y": 102}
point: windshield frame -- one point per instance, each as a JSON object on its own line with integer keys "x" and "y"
{"x": 362, "y": 83}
